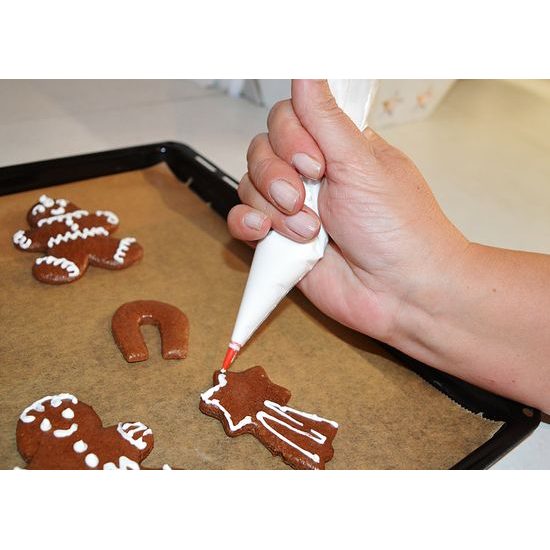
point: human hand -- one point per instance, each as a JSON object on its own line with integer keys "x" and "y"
{"x": 389, "y": 238}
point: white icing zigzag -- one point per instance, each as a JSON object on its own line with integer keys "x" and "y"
{"x": 78, "y": 234}
{"x": 71, "y": 268}
{"x": 128, "y": 434}
{"x": 21, "y": 240}
{"x": 62, "y": 217}
{"x": 123, "y": 247}
{"x": 39, "y": 407}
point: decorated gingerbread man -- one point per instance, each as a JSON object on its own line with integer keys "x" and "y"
{"x": 60, "y": 432}
{"x": 72, "y": 239}
{"x": 248, "y": 402}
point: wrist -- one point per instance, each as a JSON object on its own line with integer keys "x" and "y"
{"x": 434, "y": 291}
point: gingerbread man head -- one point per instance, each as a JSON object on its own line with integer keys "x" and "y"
{"x": 47, "y": 207}
{"x": 60, "y": 432}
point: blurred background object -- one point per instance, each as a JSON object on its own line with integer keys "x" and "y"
{"x": 397, "y": 101}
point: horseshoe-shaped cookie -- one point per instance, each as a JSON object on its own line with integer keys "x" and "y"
{"x": 172, "y": 323}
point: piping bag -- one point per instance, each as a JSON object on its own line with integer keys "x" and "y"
{"x": 280, "y": 263}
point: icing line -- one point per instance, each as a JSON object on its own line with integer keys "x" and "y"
{"x": 39, "y": 407}
{"x": 222, "y": 381}
{"x": 70, "y": 267}
{"x": 123, "y": 247}
{"x": 67, "y": 432}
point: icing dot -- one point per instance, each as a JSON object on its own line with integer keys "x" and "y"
{"x": 45, "y": 425}
{"x": 91, "y": 460}
{"x": 67, "y": 413}
{"x": 109, "y": 466}
{"x": 80, "y": 446}
{"x": 74, "y": 227}
{"x": 166, "y": 467}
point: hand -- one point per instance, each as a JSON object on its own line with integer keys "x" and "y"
{"x": 389, "y": 238}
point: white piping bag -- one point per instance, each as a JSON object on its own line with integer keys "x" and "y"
{"x": 280, "y": 263}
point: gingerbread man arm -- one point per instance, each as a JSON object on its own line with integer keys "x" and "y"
{"x": 31, "y": 240}
{"x": 173, "y": 326}
{"x": 111, "y": 253}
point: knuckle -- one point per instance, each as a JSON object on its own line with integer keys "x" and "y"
{"x": 277, "y": 111}
{"x": 256, "y": 142}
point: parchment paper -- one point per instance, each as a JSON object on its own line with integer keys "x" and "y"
{"x": 57, "y": 339}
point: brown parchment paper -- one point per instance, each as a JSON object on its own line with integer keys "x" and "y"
{"x": 57, "y": 339}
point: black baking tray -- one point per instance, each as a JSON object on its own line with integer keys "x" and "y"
{"x": 219, "y": 190}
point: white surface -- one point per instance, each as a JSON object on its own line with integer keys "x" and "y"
{"x": 485, "y": 151}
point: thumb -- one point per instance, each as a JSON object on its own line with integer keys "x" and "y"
{"x": 318, "y": 112}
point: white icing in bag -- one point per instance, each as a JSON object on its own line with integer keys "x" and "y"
{"x": 279, "y": 263}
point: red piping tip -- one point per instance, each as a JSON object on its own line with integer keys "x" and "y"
{"x": 230, "y": 356}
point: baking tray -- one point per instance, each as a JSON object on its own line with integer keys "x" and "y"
{"x": 219, "y": 190}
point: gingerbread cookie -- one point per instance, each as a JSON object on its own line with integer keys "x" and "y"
{"x": 172, "y": 323}
{"x": 248, "y": 402}
{"x": 59, "y": 432}
{"x": 72, "y": 239}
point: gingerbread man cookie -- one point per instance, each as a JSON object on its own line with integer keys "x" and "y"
{"x": 248, "y": 402}
{"x": 173, "y": 327}
{"x": 59, "y": 432}
{"x": 72, "y": 239}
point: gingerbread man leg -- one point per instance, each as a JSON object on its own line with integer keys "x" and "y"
{"x": 61, "y": 266}
{"x": 113, "y": 253}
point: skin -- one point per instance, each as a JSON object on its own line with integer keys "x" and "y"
{"x": 396, "y": 268}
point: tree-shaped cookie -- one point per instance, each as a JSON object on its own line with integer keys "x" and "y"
{"x": 72, "y": 239}
{"x": 59, "y": 432}
{"x": 248, "y": 402}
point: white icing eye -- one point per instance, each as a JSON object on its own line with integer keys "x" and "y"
{"x": 91, "y": 460}
{"x": 38, "y": 209}
{"x": 48, "y": 202}
{"x": 61, "y": 202}
{"x": 80, "y": 446}
{"x": 45, "y": 425}
{"x": 67, "y": 413}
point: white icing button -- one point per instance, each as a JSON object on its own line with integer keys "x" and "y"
{"x": 91, "y": 460}
{"x": 67, "y": 413}
{"x": 80, "y": 446}
{"x": 45, "y": 425}
{"x": 109, "y": 466}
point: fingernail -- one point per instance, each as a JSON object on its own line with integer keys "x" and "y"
{"x": 303, "y": 224}
{"x": 306, "y": 165}
{"x": 254, "y": 220}
{"x": 283, "y": 194}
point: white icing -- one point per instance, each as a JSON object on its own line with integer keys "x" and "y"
{"x": 39, "y": 407}
{"x": 45, "y": 425}
{"x": 91, "y": 460}
{"x": 80, "y": 446}
{"x": 206, "y": 397}
{"x": 48, "y": 202}
{"x": 58, "y": 211}
{"x": 21, "y": 240}
{"x": 123, "y": 247}
{"x": 74, "y": 227}
{"x": 78, "y": 234}
{"x": 70, "y": 267}
{"x": 166, "y": 467}
{"x": 67, "y": 413}
{"x": 282, "y": 410}
{"x": 124, "y": 463}
{"x": 38, "y": 209}
{"x": 128, "y": 434}
{"x": 68, "y": 218}
{"x": 67, "y": 432}
{"x": 111, "y": 216}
